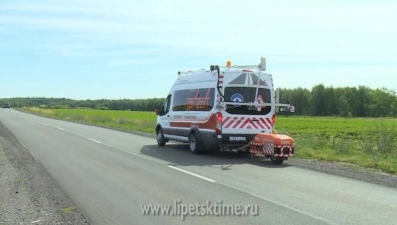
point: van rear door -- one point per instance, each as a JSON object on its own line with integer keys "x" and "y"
{"x": 249, "y": 119}
{"x": 241, "y": 122}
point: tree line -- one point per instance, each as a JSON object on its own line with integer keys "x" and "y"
{"x": 358, "y": 101}
{"x": 102, "y": 104}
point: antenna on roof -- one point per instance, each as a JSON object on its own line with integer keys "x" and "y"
{"x": 262, "y": 65}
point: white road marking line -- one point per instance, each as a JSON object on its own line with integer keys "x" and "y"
{"x": 23, "y": 145}
{"x": 133, "y": 153}
{"x": 94, "y": 140}
{"x": 190, "y": 173}
{"x": 60, "y": 128}
{"x": 255, "y": 195}
{"x": 43, "y": 124}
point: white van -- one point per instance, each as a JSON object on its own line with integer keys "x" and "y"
{"x": 220, "y": 108}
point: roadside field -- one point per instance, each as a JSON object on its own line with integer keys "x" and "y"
{"x": 367, "y": 142}
{"x": 126, "y": 120}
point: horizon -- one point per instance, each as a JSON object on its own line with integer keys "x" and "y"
{"x": 123, "y": 49}
{"x": 309, "y": 89}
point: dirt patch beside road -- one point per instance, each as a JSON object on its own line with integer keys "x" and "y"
{"x": 28, "y": 193}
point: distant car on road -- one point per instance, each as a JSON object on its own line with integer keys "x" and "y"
{"x": 6, "y": 105}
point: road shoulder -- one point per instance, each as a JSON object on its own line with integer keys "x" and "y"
{"x": 28, "y": 193}
{"x": 347, "y": 170}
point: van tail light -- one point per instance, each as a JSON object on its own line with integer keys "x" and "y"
{"x": 274, "y": 119}
{"x": 218, "y": 123}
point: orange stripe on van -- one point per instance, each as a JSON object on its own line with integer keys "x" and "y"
{"x": 208, "y": 123}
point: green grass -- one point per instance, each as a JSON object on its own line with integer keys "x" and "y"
{"x": 331, "y": 127}
{"x": 19, "y": 180}
{"x": 366, "y": 142}
{"x": 125, "y": 120}
{"x": 68, "y": 210}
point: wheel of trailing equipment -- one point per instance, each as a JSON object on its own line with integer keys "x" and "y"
{"x": 160, "y": 137}
{"x": 276, "y": 160}
{"x": 194, "y": 145}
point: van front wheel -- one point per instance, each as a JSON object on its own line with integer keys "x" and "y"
{"x": 160, "y": 137}
{"x": 193, "y": 143}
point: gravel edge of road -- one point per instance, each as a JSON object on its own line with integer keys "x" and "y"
{"x": 29, "y": 194}
{"x": 347, "y": 170}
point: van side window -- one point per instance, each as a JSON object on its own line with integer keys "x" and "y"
{"x": 167, "y": 104}
{"x": 194, "y": 99}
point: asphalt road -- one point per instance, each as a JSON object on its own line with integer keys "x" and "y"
{"x": 109, "y": 174}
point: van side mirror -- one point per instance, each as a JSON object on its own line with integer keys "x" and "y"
{"x": 159, "y": 111}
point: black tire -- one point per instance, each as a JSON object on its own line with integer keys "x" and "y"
{"x": 160, "y": 137}
{"x": 276, "y": 160}
{"x": 194, "y": 145}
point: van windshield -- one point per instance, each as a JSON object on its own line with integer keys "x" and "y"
{"x": 246, "y": 95}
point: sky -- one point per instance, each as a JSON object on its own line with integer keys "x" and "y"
{"x": 128, "y": 49}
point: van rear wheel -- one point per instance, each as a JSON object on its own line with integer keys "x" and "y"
{"x": 193, "y": 143}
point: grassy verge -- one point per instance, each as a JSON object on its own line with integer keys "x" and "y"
{"x": 125, "y": 120}
{"x": 365, "y": 142}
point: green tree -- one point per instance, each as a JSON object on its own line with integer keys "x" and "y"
{"x": 317, "y": 100}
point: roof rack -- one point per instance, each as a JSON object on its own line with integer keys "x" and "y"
{"x": 189, "y": 72}
{"x": 252, "y": 67}
{"x": 261, "y": 66}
